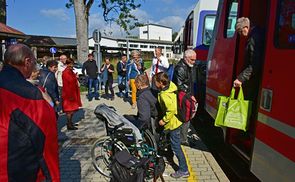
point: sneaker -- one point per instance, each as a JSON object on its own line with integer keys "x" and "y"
{"x": 90, "y": 99}
{"x": 179, "y": 174}
{"x": 185, "y": 143}
{"x": 97, "y": 98}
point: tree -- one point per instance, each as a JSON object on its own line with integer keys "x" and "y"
{"x": 174, "y": 35}
{"x": 118, "y": 11}
{"x": 3, "y": 11}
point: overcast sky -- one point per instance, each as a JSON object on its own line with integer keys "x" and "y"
{"x": 51, "y": 17}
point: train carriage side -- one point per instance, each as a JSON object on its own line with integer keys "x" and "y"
{"x": 269, "y": 145}
{"x": 273, "y": 156}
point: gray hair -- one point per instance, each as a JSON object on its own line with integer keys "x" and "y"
{"x": 135, "y": 52}
{"x": 15, "y": 54}
{"x": 189, "y": 53}
{"x": 242, "y": 22}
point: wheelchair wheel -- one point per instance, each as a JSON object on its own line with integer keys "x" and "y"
{"x": 149, "y": 140}
{"x": 102, "y": 153}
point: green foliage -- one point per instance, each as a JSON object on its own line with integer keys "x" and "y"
{"x": 83, "y": 88}
{"x": 174, "y": 35}
{"x": 70, "y": 4}
{"x": 118, "y": 11}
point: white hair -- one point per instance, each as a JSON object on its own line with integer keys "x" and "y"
{"x": 189, "y": 53}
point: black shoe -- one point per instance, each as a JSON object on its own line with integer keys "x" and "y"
{"x": 186, "y": 143}
{"x": 97, "y": 98}
{"x": 89, "y": 99}
{"x": 71, "y": 127}
{"x": 112, "y": 98}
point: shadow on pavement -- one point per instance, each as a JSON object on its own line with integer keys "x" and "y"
{"x": 70, "y": 166}
{"x": 62, "y": 121}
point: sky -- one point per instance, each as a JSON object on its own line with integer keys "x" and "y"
{"x": 52, "y": 18}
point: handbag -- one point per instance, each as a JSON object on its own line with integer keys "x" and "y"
{"x": 238, "y": 111}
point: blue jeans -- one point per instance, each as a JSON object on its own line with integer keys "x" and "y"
{"x": 93, "y": 82}
{"x": 123, "y": 80}
{"x": 175, "y": 145}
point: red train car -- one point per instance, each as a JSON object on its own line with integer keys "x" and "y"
{"x": 270, "y": 147}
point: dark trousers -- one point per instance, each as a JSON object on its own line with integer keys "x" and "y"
{"x": 109, "y": 85}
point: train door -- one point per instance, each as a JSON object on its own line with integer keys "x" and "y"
{"x": 274, "y": 148}
{"x": 219, "y": 81}
{"x": 256, "y": 11}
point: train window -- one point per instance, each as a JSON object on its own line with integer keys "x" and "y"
{"x": 231, "y": 19}
{"x": 285, "y": 25}
{"x": 208, "y": 29}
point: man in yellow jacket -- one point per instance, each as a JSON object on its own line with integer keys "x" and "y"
{"x": 168, "y": 103}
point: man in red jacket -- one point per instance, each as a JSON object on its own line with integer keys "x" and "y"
{"x": 28, "y": 128}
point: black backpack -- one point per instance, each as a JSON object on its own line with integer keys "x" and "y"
{"x": 127, "y": 168}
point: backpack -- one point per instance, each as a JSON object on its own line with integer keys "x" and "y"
{"x": 186, "y": 106}
{"x": 127, "y": 168}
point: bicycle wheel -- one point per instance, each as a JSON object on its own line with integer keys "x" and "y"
{"x": 102, "y": 152}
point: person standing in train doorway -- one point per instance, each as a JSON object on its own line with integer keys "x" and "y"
{"x": 250, "y": 77}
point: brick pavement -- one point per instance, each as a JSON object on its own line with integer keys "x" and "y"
{"x": 75, "y": 146}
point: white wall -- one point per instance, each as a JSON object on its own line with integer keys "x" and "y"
{"x": 155, "y": 32}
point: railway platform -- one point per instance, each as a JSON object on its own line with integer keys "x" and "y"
{"x": 75, "y": 146}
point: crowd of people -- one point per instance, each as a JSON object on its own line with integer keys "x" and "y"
{"x": 33, "y": 97}
{"x": 53, "y": 88}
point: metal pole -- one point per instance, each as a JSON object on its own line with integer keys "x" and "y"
{"x": 127, "y": 48}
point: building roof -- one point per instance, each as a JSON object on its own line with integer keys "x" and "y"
{"x": 157, "y": 25}
{"x": 8, "y": 31}
{"x": 145, "y": 41}
{"x": 36, "y": 40}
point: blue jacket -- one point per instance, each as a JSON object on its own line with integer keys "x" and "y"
{"x": 132, "y": 70}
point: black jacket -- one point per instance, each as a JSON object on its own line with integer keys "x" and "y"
{"x": 120, "y": 67}
{"x": 91, "y": 69}
{"x": 50, "y": 84}
{"x": 146, "y": 104}
{"x": 183, "y": 77}
{"x": 251, "y": 74}
{"x": 253, "y": 55}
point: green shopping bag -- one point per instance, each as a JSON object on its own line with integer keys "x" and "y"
{"x": 221, "y": 110}
{"x": 222, "y": 102}
{"x": 238, "y": 111}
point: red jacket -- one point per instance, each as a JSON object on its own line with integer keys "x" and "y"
{"x": 70, "y": 91}
{"x": 28, "y": 131}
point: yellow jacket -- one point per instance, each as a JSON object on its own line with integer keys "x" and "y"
{"x": 168, "y": 103}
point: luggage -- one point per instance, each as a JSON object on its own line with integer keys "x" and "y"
{"x": 186, "y": 106}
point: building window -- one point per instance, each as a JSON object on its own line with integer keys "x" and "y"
{"x": 144, "y": 32}
{"x": 143, "y": 46}
{"x": 122, "y": 45}
{"x": 152, "y": 47}
{"x": 133, "y": 45}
